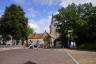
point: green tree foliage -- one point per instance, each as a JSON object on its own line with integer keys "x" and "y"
{"x": 81, "y": 20}
{"x": 14, "y": 22}
{"x": 29, "y": 30}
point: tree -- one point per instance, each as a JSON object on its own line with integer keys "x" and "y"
{"x": 29, "y": 30}
{"x": 14, "y": 22}
{"x": 67, "y": 21}
{"x": 81, "y": 19}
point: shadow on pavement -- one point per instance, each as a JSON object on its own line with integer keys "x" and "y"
{"x": 29, "y": 62}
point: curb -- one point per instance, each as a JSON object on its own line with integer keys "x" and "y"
{"x": 76, "y": 62}
{"x": 9, "y": 48}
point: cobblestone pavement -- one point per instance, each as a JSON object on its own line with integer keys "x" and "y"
{"x": 29, "y": 56}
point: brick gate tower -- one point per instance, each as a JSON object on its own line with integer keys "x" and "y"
{"x": 53, "y": 31}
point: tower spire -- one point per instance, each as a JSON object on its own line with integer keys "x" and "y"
{"x": 45, "y": 31}
{"x": 52, "y": 19}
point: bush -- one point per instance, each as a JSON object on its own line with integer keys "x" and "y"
{"x": 91, "y": 46}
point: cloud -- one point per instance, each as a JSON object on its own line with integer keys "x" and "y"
{"x": 34, "y": 25}
{"x": 1, "y": 12}
{"x": 32, "y": 12}
{"x": 19, "y": 1}
{"x": 65, "y": 3}
{"x": 62, "y": 3}
{"x": 56, "y": 13}
{"x": 38, "y": 2}
{"x": 0, "y": 15}
{"x": 41, "y": 25}
{"x": 46, "y": 2}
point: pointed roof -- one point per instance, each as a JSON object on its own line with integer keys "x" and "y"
{"x": 52, "y": 19}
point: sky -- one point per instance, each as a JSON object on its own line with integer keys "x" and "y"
{"x": 39, "y": 12}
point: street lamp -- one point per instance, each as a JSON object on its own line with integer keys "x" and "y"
{"x": 69, "y": 37}
{"x": 0, "y": 36}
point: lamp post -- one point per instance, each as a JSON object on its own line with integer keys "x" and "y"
{"x": 69, "y": 37}
{"x": 0, "y": 36}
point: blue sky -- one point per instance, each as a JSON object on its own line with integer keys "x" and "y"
{"x": 39, "y": 11}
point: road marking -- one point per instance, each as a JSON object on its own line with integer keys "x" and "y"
{"x": 76, "y": 62}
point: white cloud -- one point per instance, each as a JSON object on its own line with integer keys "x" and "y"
{"x": 65, "y": 3}
{"x": 56, "y": 13}
{"x": 0, "y": 15}
{"x": 46, "y": 2}
{"x": 1, "y": 12}
{"x": 39, "y": 2}
{"x": 19, "y": 1}
{"x": 41, "y": 25}
{"x": 34, "y": 25}
{"x": 31, "y": 12}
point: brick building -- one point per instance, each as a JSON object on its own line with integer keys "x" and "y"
{"x": 54, "y": 33}
{"x": 43, "y": 38}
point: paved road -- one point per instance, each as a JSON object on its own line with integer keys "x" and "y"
{"x": 29, "y": 56}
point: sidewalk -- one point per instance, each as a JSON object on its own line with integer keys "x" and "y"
{"x": 4, "y": 48}
{"x": 83, "y": 57}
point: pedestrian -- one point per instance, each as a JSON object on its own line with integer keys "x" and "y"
{"x": 21, "y": 43}
{"x": 72, "y": 44}
{"x": 30, "y": 44}
{"x": 25, "y": 44}
{"x": 37, "y": 45}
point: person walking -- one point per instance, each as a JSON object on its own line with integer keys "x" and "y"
{"x": 24, "y": 45}
{"x": 37, "y": 45}
{"x": 30, "y": 44}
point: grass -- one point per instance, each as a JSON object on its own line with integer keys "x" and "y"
{"x": 91, "y": 46}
